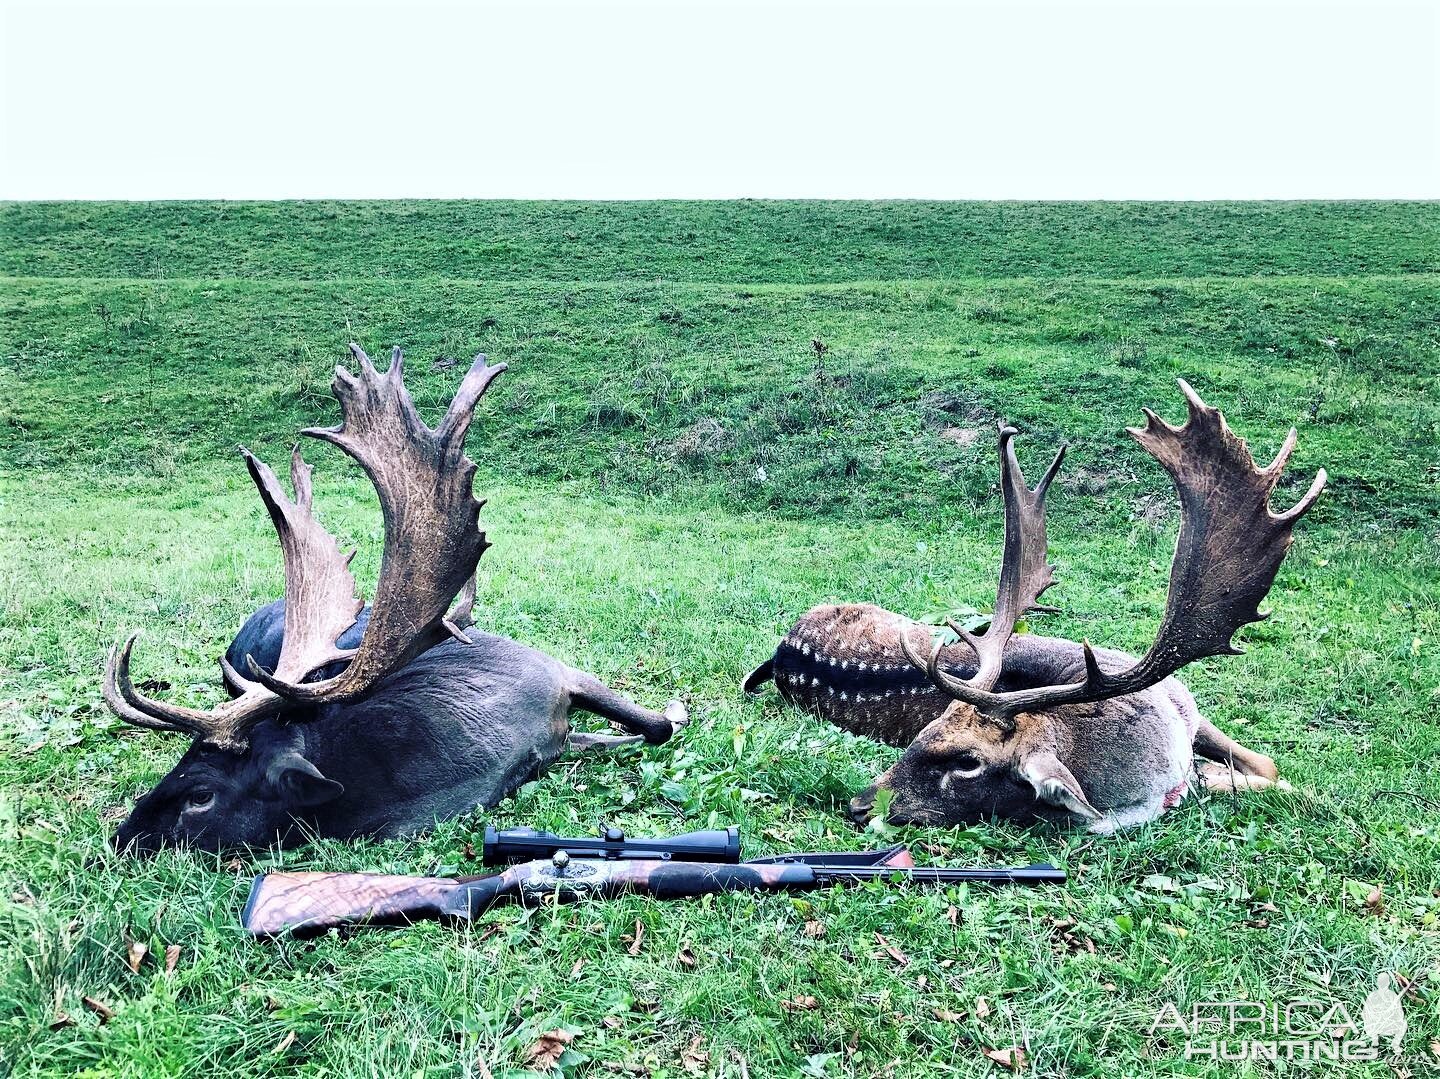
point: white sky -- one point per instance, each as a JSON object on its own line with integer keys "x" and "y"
{"x": 312, "y": 98}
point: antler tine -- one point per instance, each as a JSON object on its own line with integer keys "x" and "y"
{"x": 916, "y": 659}
{"x": 432, "y": 537}
{"x": 226, "y": 727}
{"x": 1229, "y": 549}
{"x": 462, "y": 615}
{"x": 1301, "y": 508}
{"x": 128, "y": 703}
{"x": 944, "y": 679}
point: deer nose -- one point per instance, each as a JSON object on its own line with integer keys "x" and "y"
{"x": 862, "y": 807}
{"x": 134, "y": 843}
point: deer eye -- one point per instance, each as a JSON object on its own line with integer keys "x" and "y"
{"x": 198, "y": 800}
{"x": 967, "y": 766}
{"x": 962, "y": 766}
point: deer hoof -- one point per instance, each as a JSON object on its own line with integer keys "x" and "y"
{"x": 678, "y": 715}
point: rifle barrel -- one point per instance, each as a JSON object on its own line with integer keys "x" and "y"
{"x": 1031, "y": 874}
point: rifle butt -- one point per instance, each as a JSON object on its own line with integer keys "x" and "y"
{"x": 307, "y": 904}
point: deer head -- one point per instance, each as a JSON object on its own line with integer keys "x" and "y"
{"x": 232, "y": 776}
{"x": 1004, "y": 753}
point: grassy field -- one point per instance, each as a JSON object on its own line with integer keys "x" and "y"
{"x": 675, "y": 473}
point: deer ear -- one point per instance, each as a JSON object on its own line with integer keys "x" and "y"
{"x": 300, "y": 783}
{"x": 1056, "y": 784}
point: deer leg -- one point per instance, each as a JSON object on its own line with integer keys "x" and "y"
{"x": 583, "y": 742}
{"x": 1225, "y": 779}
{"x": 589, "y": 693}
{"x": 1215, "y": 745}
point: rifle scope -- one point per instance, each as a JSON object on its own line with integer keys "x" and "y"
{"x": 526, "y": 844}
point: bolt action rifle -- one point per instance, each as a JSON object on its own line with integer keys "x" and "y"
{"x": 561, "y": 870}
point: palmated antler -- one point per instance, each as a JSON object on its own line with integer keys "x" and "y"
{"x": 1229, "y": 549}
{"x": 1024, "y": 574}
{"x": 432, "y": 545}
{"x": 432, "y": 538}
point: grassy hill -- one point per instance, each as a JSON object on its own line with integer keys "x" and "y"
{"x": 676, "y": 471}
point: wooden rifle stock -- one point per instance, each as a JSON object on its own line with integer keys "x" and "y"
{"x": 306, "y": 904}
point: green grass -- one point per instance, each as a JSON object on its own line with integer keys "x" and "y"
{"x": 673, "y": 478}
{"x": 752, "y": 241}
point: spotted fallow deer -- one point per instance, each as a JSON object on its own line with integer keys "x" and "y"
{"x": 380, "y": 719}
{"x": 1028, "y": 727}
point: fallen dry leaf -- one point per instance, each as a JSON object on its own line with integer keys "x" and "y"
{"x": 694, "y": 1059}
{"x": 814, "y": 928}
{"x": 490, "y": 931}
{"x": 637, "y": 939}
{"x": 578, "y": 967}
{"x": 172, "y": 957}
{"x": 611, "y": 1022}
{"x": 900, "y": 958}
{"x": 1012, "y": 1058}
{"x": 800, "y": 1004}
{"x": 946, "y": 1016}
{"x": 1375, "y": 901}
{"x": 104, "y": 1011}
{"x": 62, "y": 1020}
{"x": 952, "y": 915}
{"x": 546, "y": 1052}
{"x": 1434, "y": 1048}
{"x": 1074, "y": 939}
{"x": 284, "y": 1043}
{"x": 686, "y": 956}
{"x": 982, "y": 1007}
{"x": 135, "y": 955}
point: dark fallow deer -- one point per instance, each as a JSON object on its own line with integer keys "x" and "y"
{"x": 1028, "y": 727}
{"x": 349, "y": 719}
